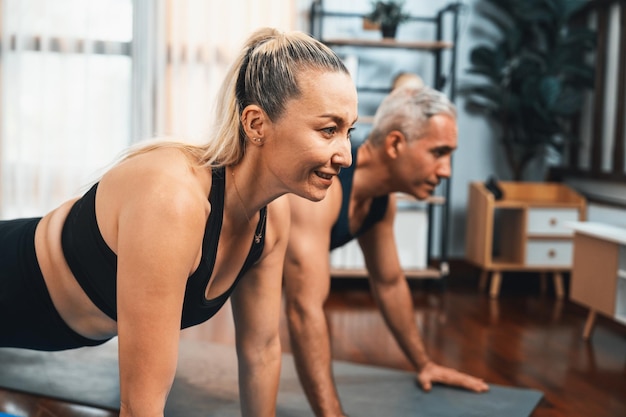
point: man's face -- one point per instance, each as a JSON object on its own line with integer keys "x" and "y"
{"x": 428, "y": 159}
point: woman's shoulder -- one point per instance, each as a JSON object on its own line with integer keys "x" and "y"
{"x": 163, "y": 177}
{"x": 165, "y": 164}
{"x": 165, "y": 159}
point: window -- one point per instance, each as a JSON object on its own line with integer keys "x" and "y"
{"x": 83, "y": 79}
{"x": 66, "y": 97}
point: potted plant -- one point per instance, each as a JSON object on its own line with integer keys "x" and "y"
{"x": 388, "y": 14}
{"x": 532, "y": 75}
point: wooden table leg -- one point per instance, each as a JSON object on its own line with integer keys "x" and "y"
{"x": 496, "y": 278}
{"x": 482, "y": 282}
{"x": 558, "y": 285}
{"x": 591, "y": 318}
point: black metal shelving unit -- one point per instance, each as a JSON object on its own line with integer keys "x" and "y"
{"x": 446, "y": 30}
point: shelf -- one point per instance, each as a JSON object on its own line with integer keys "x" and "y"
{"x": 522, "y": 267}
{"x": 423, "y": 273}
{"x": 375, "y": 90}
{"x": 521, "y": 204}
{"x": 433, "y": 199}
{"x": 426, "y": 273}
{"x": 508, "y": 204}
{"x": 391, "y": 43}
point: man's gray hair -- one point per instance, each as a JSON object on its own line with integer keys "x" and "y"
{"x": 408, "y": 110}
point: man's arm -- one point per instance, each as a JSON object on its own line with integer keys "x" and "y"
{"x": 393, "y": 296}
{"x": 307, "y": 283}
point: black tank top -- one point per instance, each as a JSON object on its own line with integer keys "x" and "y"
{"x": 340, "y": 233}
{"x": 94, "y": 264}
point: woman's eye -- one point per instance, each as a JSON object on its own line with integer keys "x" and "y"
{"x": 330, "y": 130}
{"x": 333, "y": 130}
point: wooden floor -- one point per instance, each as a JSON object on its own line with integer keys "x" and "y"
{"x": 522, "y": 339}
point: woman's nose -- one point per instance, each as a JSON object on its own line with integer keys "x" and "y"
{"x": 343, "y": 156}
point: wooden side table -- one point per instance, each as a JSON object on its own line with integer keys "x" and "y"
{"x": 523, "y": 231}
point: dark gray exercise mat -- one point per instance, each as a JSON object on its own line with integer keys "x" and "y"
{"x": 206, "y": 385}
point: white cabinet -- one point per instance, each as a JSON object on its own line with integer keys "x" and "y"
{"x": 411, "y": 231}
{"x": 599, "y": 273}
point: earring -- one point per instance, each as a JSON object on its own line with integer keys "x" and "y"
{"x": 257, "y": 139}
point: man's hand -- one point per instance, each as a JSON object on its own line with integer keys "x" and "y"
{"x": 433, "y": 373}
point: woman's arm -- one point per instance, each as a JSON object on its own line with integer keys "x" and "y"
{"x": 307, "y": 285}
{"x": 159, "y": 235}
{"x": 256, "y": 304}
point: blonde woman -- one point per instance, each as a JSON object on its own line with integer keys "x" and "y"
{"x": 172, "y": 231}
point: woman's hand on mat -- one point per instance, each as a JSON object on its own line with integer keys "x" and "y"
{"x": 432, "y": 373}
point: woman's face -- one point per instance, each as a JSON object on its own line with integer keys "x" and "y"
{"x": 310, "y": 143}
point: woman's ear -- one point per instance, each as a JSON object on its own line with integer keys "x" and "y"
{"x": 395, "y": 143}
{"x": 254, "y": 121}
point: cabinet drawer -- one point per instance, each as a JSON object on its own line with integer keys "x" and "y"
{"x": 551, "y": 221}
{"x": 549, "y": 253}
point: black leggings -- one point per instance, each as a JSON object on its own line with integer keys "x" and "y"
{"x": 28, "y": 318}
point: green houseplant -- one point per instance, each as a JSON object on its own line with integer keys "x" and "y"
{"x": 388, "y": 14}
{"x": 531, "y": 77}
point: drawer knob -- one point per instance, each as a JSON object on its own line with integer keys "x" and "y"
{"x": 553, "y": 221}
{"x": 551, "y": 253}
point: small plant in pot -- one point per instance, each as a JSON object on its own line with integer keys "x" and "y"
{"x": 388, "y": 14}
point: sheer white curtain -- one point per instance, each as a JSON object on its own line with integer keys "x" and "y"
{"x": 65, "y": 91}
{"x": 81, "y": 80}
{"x": 199, "y": 40}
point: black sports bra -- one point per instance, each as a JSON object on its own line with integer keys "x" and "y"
{"x": 94, "y": 264}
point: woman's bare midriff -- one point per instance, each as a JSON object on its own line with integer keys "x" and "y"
{"x": 68, "y": 297}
